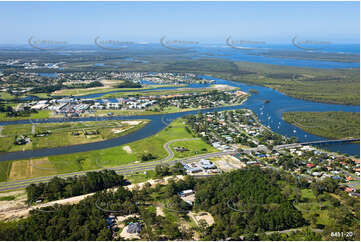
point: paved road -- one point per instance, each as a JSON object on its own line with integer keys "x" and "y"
{"x": 125, "y": 170}
{"x": 170, "y": 151}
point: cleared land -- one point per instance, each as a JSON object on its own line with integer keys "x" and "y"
{"x": 49, "y": 135}
{"x": 111, "y": 157}
{"x": 105, "y": 88}
{"x": 333, "y": 125}
{"x": 42, "y": 114}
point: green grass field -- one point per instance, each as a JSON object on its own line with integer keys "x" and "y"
{"x": 62, "y": 134}
{"x": 310, "y": 208}
{"x": 115, "y": 156}
{"x": 42, "y": 114}
{"x": 333, "y": 125}
{"x": 87, "y": 91}
{"x": 4, "y": 170}
{"x": 195, "y": 147}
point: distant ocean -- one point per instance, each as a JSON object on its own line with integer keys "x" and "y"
{"x": 226, "y": 52}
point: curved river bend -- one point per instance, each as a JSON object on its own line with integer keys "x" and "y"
{"x": 269, "y": 114}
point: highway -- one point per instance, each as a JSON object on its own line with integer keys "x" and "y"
{"x": 124, "y": 170}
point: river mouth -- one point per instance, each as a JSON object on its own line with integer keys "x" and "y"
{"x": 269, "y": 114}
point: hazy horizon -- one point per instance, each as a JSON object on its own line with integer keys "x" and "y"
{"x": 204, "y": 22}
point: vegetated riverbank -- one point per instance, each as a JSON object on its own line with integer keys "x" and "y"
{"x": 332, "y": 125}
{"x": 311, "y": 55}
{"x": 338, "y": 86}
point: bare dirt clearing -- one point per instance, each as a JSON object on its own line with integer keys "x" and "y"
{"x": 18, "y": 209}
{"x": 128, "y": 149}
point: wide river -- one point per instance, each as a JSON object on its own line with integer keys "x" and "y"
{"x": 269, "y": 114}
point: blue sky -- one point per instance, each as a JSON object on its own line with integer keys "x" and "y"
{"x": 208, "y": 22}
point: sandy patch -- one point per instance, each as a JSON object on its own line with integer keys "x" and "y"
{"x": 127, "y": 149}
{"x": 202, "y": 215}
{"x": 110, "y": 83}
{"x": 120, "y": 219}
{"x": 229, "y": 163}
{"x": 206, "y": 216}
{"x": 234, "y": 161}
{"x": 132, "y": 122}
{"x": 17, "y": 203}
{"x": 22, "y": 210}
{"x": 124, "y": 234}
{"x": 117, "y": 131}
{"x": 160, "y": 212}
{"x": 31, "y": 168}
{"x": 222, "y": 87}
{"x": 19, "y": 209}
{"x": 107, "y": 84}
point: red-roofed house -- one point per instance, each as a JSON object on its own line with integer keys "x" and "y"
{"x": 348, "y": 178}
{"x": 310, "y": 165}
{"x": 349, "y": 189}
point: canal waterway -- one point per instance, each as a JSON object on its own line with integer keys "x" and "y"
{"x": 269, "y": 114}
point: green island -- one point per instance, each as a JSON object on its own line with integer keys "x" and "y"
{"x": 332, "y": 125}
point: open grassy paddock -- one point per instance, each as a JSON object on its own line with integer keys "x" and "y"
{"x": 115, "y": 156}
{"x": 49, "y": 135}
{"x": 41, "y": 114}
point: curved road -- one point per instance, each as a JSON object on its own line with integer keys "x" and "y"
{"x": 124, "y": 170}
{"x": 170, "y": 151}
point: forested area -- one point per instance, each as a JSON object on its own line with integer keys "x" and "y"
{"x": 246, "y": 201}
{"x": 10, "y": 112}
{"x": 244, "y": 204}
{"x": 82, "y": 221}
{"x": 58, "y": 188}
{"x": 129, "y": 84}
{"x": 332, "y": 125}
